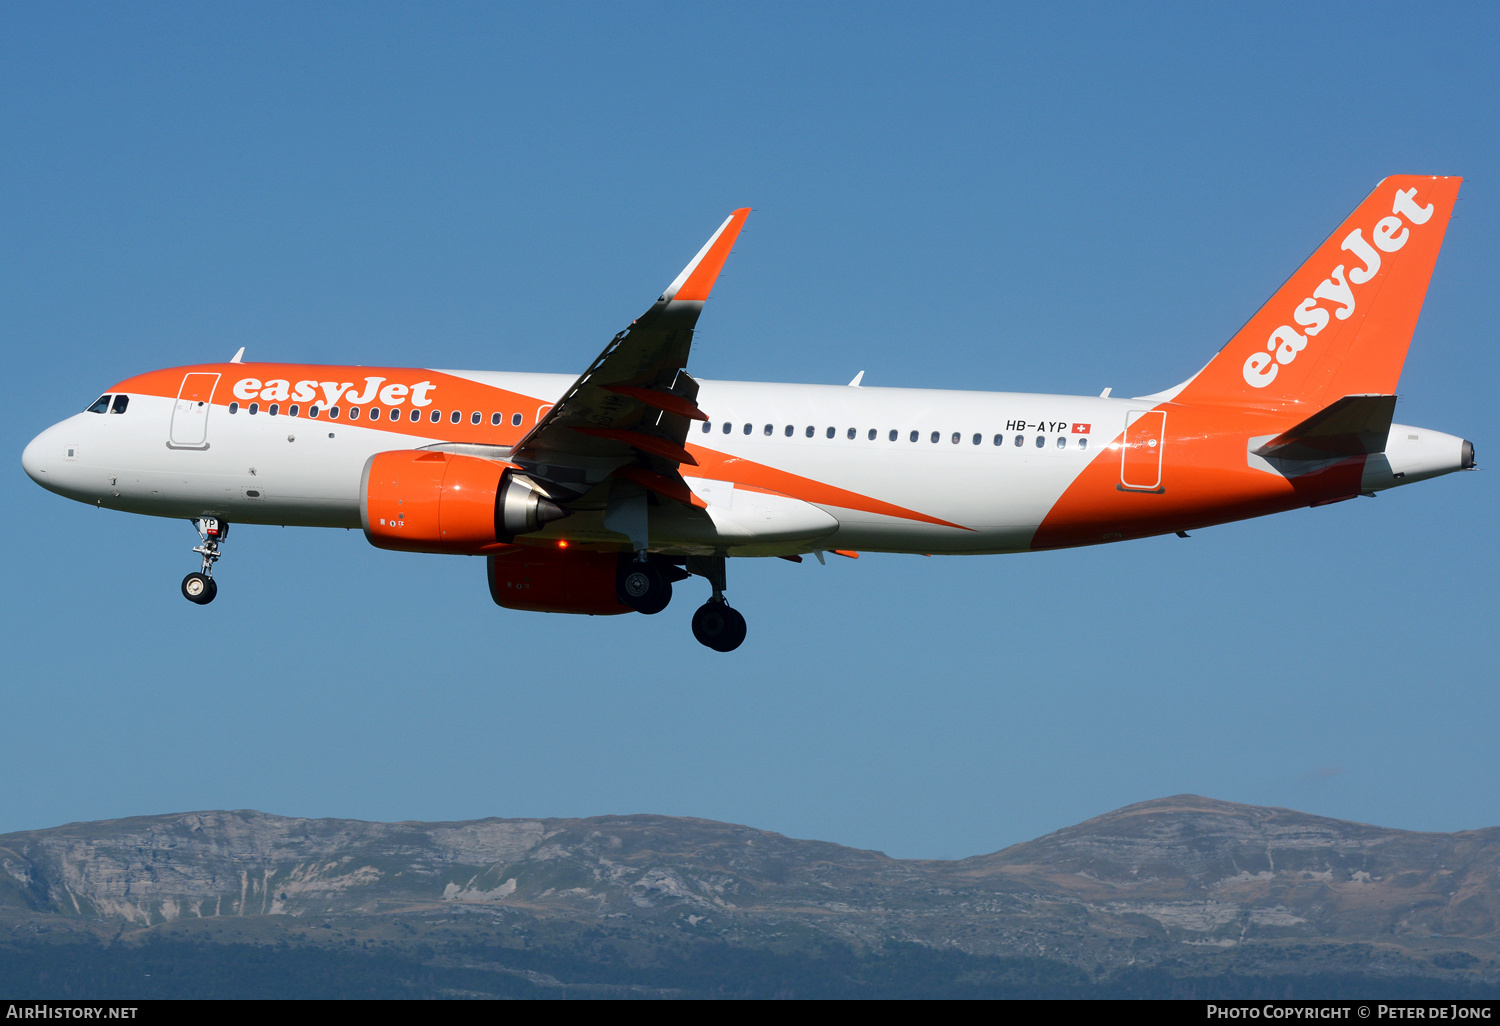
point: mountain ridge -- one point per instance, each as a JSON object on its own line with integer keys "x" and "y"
{"x": 1187, "y": 883}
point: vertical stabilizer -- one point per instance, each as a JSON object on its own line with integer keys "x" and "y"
{"x": 1342, "y": 323}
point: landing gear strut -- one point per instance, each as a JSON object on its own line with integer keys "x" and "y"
{"x": 199, "y": 587}
{"x": 716, "y": 624}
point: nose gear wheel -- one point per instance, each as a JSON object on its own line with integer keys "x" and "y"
{"x": 199, "y": 587}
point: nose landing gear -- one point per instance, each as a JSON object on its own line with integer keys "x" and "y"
{"x": 199, "y": 587}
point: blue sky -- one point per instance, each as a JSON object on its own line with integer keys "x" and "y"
{"x": 951, "y": 196}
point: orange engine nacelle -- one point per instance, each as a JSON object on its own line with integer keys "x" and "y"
{"x": 550, "y": 580}
{"x": 417, "y": 500}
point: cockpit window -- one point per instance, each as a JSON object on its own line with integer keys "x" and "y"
{"x": 101, "y": 405}
{"x": 121, "y": 401}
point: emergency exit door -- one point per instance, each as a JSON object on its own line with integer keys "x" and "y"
{"x": 1140, "y": 457}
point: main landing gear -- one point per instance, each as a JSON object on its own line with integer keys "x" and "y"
{"x": 199, "y": 587}
{"x": 719, "y": 626}
{"x": 716, "y": 624}
{"x": 644, "y": 583}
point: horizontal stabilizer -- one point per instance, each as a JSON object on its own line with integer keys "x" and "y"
{"x": 1356, "y": 425}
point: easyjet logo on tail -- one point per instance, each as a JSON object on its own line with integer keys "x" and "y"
{"x": 279, "y": 390}
{"x": 1388, "y": 234}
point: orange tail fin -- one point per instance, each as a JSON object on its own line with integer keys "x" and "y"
{"x": 1341, "y": 324}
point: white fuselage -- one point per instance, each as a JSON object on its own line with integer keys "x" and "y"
{"x": 928, "y": 470}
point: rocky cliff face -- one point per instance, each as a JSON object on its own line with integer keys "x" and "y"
{"x": 1170, "y": 878}
{"x": 1226, "y": 871}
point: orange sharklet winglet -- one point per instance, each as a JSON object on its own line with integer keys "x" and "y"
{"x": 665, "y": 401}
{"x": 646, "y": 443}
{"x": 700, "y": 275}
{"x": 846, "y": 552}
{"x": 676, "y": 490}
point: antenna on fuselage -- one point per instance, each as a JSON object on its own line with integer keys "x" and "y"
{"x": 238, "y": 357}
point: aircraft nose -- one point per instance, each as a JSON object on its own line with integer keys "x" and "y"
{"x": 34, "y": 458}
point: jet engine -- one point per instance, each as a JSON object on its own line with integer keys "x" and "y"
{"x": 419, "y": 500}
{"x": 547, "y": 579}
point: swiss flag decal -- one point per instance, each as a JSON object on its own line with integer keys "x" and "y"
{"x": 1081, "y": 429}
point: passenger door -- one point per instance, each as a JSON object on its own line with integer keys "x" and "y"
{"x": 189, "y": 428}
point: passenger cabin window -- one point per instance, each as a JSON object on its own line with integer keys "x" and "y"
{"x": 915, "y": 435}
{"x": 789, "y": 430}
{"x": 1083, "y": 443}
{"x": 978, "y": 438}
{"x": 893, "y": 435}
{"x": 455, "y": 416}
{"x": 852, "y": 433}
{"x": 375, "y": 413}
{"x": 1020, "y": 441}
{"x": 255, "y": 408}
{"x": 437, "y": 415}
{"x": 706, "y": 425}
{"x": 495, "y": 419}
{"x": 333, "y": 412}
{"x": 935, "y": 437}
{"x": 872, "y": 434}
{"x": 956, "y": 437}
{"x": 515, "y": 420}
{"x": 829, "y": 432}
{"x": 999, "y": 439}
{"x": 416, "y": 415}
{"x": 1040, "y": 441}
{"x": 749, "y": 427}
{"x": 312, "y": 411}
{"x": 810, "y": 431}
{"x": 474, "y": 417}
{"x": 101, "y": 405}
{"x": 120, "y": 403}
{"x": 354, "y": 413}
{"x": 1062, "y": 442}
{"x": 292, "y": 410}
{"x": 768, "y": 430}
{"x": 273, "y": 409}
{"x": 728, "y": 427}
{"x": 234, "y": 407}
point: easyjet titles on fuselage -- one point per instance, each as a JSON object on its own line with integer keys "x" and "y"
{"x": 281, "y": 389}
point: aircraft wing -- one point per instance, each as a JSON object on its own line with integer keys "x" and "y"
{"x": 627, "y": 416}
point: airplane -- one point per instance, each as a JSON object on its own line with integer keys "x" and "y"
{"x": 596, "y": 494}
